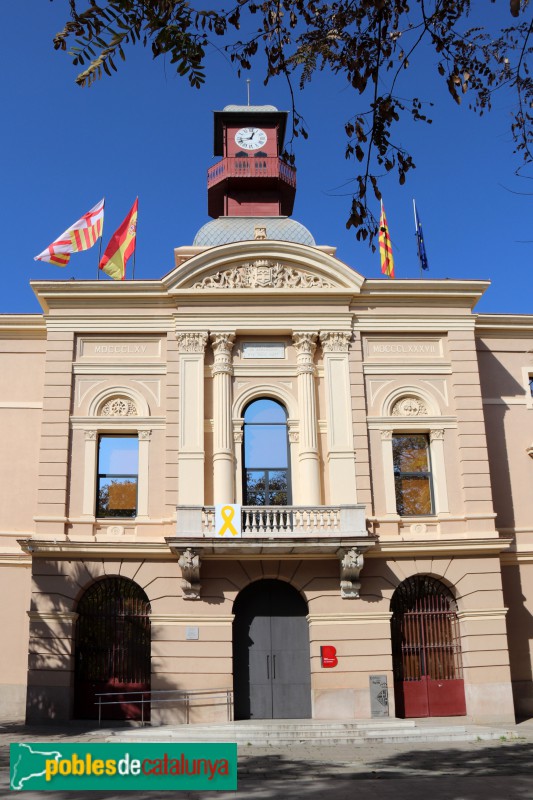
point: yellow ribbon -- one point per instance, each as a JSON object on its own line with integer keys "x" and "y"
{"x": 227, "y": 513}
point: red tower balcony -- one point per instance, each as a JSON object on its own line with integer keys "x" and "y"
{"x": 251, "y": 185}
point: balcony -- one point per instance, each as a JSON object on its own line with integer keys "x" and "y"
{"x": 251, "y": 167}
{"x": 273, "y": 529}
{"x": 337, "y": 532}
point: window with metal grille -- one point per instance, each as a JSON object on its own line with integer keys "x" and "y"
{"x": 266, "y": 454}
{"x": 412, "y": 474}
{"x": 118, "y": 467}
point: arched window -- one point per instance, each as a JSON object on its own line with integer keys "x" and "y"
{"x": 266, "y": 454}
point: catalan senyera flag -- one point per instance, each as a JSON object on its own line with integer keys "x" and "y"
{"x": 80, "y": 236}
{"x": 121, "y": 246}
{"x": 385, "y": 247}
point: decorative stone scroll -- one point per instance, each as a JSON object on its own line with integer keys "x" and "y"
{"x": 192, "y": 342}
{"x": 409, "y": 407}
{"x": 263, "y": 273}
{"x": 189, "y": 563}
{"x": 119, "y": 407}
{"x": 351, "y": 566}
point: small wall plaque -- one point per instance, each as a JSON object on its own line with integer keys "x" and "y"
{"x": 379, "y": 696}
{"x": 263, "y": 350}
{"x": 192, "y": 633}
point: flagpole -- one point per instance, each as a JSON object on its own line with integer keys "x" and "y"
{"x": 416, "y": 235}
{"x": 135, "y": 250}
{"x": 100, "y": 251}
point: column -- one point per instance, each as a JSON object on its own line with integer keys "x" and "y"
{"x": 341, "y": 455}
{"x": 223, "y": 458}
{"x": 191, "y": 455}
{"x": 305, "y": 344}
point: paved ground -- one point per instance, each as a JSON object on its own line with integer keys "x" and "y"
{"x": 445, "y": 771}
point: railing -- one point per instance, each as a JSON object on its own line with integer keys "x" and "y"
{"x": 251, "y": 167}
{"x": 300, "y": 521}
{"x": 160, "y": 696}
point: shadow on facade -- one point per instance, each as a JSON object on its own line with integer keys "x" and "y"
{"x": 292, "y": 775}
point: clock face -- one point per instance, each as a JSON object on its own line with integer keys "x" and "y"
{"x": 250, "y": 138}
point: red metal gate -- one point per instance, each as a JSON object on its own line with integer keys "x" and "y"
{"x": 426, "y": 650}
{"x": 113, "y": 645}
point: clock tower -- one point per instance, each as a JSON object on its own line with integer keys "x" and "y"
{"x": 251, "y": 180}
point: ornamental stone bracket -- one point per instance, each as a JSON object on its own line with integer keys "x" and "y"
{"x": 189, "y": 563}
{"x": 529, "y": 451}
{"x": 351, "y": 566}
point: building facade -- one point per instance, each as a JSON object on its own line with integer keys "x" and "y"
{"x": 374, "y": 439}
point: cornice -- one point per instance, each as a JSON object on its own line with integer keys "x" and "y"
{"x": 22, "y": 326}
{"x": 500, "y": 324}
{"x": 45, "y": 548}
{"x": 191, "y": 619}
{"x": 111, "y": 322}
{"x": 286, "y": 546}
{"x": 458, "y": 293}
{"x": 392, "y": 322}
{"x": 357, "y": 618}
{"x": 98, "y": 294}
{"x": 438, "y": 547}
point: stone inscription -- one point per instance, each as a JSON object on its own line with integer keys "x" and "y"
{"x": 431, "y": 348}
{"x": 97, "y": 349}
{"x": 120, "y": 348}
{"x": 263, "y": 350}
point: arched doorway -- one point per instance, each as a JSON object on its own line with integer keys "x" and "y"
{"x": 426, "y": 650}
{"x": 266, "y": 474}
{"x": 271, "y": 657}
{"x": 113, "y": 647}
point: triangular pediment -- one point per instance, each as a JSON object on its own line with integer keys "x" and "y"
{"x": 262, "y": 265}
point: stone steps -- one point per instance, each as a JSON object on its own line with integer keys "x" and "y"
{"x": 280, "y": 733}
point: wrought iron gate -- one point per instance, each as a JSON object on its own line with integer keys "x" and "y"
{"x": 113, "y": 646}
{"x": 426, "y": 650}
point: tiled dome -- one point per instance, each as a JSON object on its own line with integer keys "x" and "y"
{"x": 240, "y": 229}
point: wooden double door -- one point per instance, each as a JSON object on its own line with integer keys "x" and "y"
{"x": 271, "y": 657}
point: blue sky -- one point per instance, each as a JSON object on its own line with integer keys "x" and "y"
{"x": 145, "y": 132}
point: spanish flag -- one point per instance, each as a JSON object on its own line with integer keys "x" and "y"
{"x": 385, "y": 247}
{"x": 80, "y": 236}
{"x": 121, "y": 246}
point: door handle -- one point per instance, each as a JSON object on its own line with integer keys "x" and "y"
{"x": 268, "y": 664}
{"x": 274, "y": 666}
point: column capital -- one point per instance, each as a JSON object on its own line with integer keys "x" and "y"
{"x": 222, "y": 343}
{"x": 436, "y": 435}
{"x": 305, "y": 343}
{"x": 191, "y": 342}
{"x": 335, "y": 341}
{"x": 386, "y": 435}
{"x": 91, "y": 435}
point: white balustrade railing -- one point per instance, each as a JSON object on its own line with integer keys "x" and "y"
{"x": 278, "y": 520}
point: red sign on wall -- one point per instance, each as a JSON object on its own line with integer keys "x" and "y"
{"x": 328, "y": 655}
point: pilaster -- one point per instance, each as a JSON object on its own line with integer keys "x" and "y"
{"x": 191, "y": 455}
{"x": 340, "y": 455}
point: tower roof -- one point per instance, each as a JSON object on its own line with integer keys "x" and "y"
{"x": 240, "y": 229}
